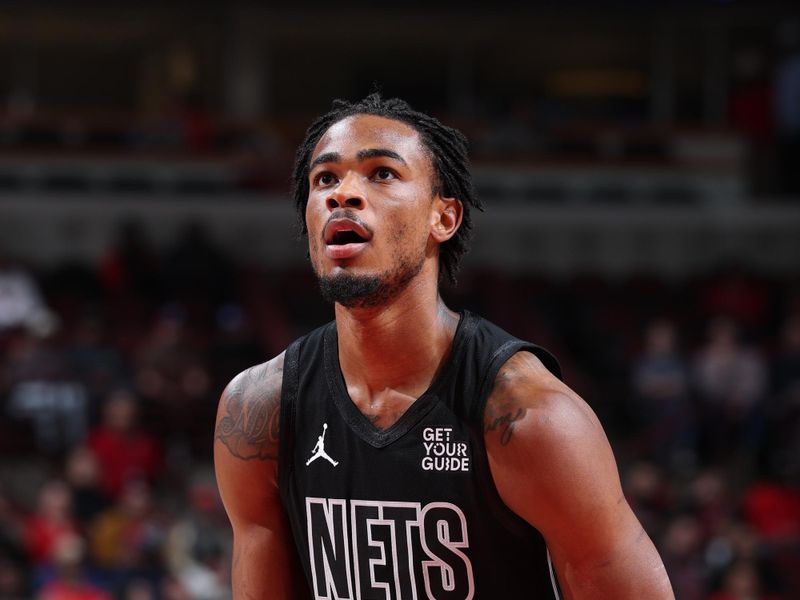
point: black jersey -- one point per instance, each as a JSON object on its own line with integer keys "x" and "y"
{"x": 409, "y": 512}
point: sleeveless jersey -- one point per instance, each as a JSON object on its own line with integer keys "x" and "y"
{"x": 409, "y": 512}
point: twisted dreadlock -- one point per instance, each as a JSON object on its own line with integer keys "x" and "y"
{"x": 446, "y": 146}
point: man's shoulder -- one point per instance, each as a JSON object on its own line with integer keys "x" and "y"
{"x": 545, "y": 445}
{"x": 260, "y": 377}
{"x": 248, "y": 418}
{"x": 529, "y": 402}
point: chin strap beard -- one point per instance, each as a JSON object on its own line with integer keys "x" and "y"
{"x": 366, "y": 291}
{"x": 351, "y": 291}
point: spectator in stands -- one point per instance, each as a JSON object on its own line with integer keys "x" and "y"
{"x": 731, "y": 381}
{"x": 70, "y": 582}
{"x": 171, "y": 589}
{"x": 683, "y": 557}
{"x": 710, "y": 501}
{"x": 662, "y": 408}
{"x": 82, "y": 473}
{"x": 51, "y": 524}
{"x": 736, "y": 542}
{"x": 124, "y": 451}
{"x": 41, "y": 389}
{"x": 742, "y": 582}
{"x": 198, "y": 544}
{"x": 649, "y": 495}
{"x": 773, "y": 509}
{"x": 97, "y": 364}
{"x": 172, "y": 373}
{"x": 127, "y": 540}
{"x": 131, "y": 268}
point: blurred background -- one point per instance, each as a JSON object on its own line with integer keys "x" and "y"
{"x": 640, "y": 164}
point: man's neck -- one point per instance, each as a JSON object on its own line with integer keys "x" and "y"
{"x": 397, "y": 347}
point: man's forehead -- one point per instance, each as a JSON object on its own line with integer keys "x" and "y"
{"x": 360, "y": 132}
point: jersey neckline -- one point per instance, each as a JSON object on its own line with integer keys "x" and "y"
{"x": 357, "y": 421}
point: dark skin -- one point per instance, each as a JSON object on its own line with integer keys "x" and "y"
{"x": 549, "y": 456}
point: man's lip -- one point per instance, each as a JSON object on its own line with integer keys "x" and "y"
{"x": 345, "y": 224}
{"x": 343, "y": 251}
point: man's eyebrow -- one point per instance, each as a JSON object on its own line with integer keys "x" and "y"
{"x": 325, "y": 158}
{"x": 361, "y": 155}
{"x": 377, "y": 152}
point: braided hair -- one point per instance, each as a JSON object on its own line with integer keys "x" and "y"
{"x": 446, "y": 146}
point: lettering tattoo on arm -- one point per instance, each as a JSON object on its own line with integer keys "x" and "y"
{"x": 249, "y": 422}
{"x": 502, "y": 409}
{"x": 502, "y": 419}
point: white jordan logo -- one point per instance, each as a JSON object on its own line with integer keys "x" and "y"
{"x": 319, "y": 449}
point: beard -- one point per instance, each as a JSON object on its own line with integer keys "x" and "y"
{"x": 368, "y": 291}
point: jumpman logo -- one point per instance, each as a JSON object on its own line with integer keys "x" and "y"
{"x": 319, "y": 449}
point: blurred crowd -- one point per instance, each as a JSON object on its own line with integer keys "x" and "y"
{"x": 110, "y": 373}
{"x": 754, "y": 132}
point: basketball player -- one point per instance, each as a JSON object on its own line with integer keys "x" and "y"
{"x": 405, "y": 450}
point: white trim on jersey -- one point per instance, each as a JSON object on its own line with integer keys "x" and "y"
{"x": 552, "y": 576}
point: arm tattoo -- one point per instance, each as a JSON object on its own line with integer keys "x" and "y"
{"x": 502, "y": 419}
{"x": 502, "y": 411}
{"x": 250, "y": 420}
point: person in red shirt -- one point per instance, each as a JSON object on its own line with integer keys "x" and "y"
{"x": 50, "y": 524}
{"x": 125, "y": 452}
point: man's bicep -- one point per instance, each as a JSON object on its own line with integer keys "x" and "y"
{"x": 264, "y": 558}
{"x": 265, "y": 562}
{"x": 246, "y": 442}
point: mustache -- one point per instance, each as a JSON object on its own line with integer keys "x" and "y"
{"x": 346, "y": 213}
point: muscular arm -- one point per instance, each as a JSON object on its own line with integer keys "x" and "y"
{"x": 245, "y": 458}
{"x": 553, "y": 466}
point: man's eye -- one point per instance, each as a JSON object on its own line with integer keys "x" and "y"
{"x": 324, "y": 178}
{"x": 384, "y": 174}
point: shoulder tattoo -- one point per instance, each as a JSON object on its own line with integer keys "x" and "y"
{"x": 501, "y": 417}
{"x": 503, "y": 409}
{"x": 249, "y": 419}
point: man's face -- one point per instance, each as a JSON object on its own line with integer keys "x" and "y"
{"x": 370, "y": 209}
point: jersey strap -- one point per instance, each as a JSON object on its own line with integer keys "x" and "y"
{"x": 291, "y": 379}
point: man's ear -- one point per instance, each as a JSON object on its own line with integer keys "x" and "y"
{"x": 446, "y": 215}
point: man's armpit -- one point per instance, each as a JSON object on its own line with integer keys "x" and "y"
{"x": 248, "y": 423}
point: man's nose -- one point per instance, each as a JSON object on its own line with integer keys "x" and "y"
{"x": 348, "y": 194}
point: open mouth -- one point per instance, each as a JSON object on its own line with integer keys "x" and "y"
{"x": 340, "y": 232}
{"x": 348, "y": 236}
{"x": 345, "y": 239}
